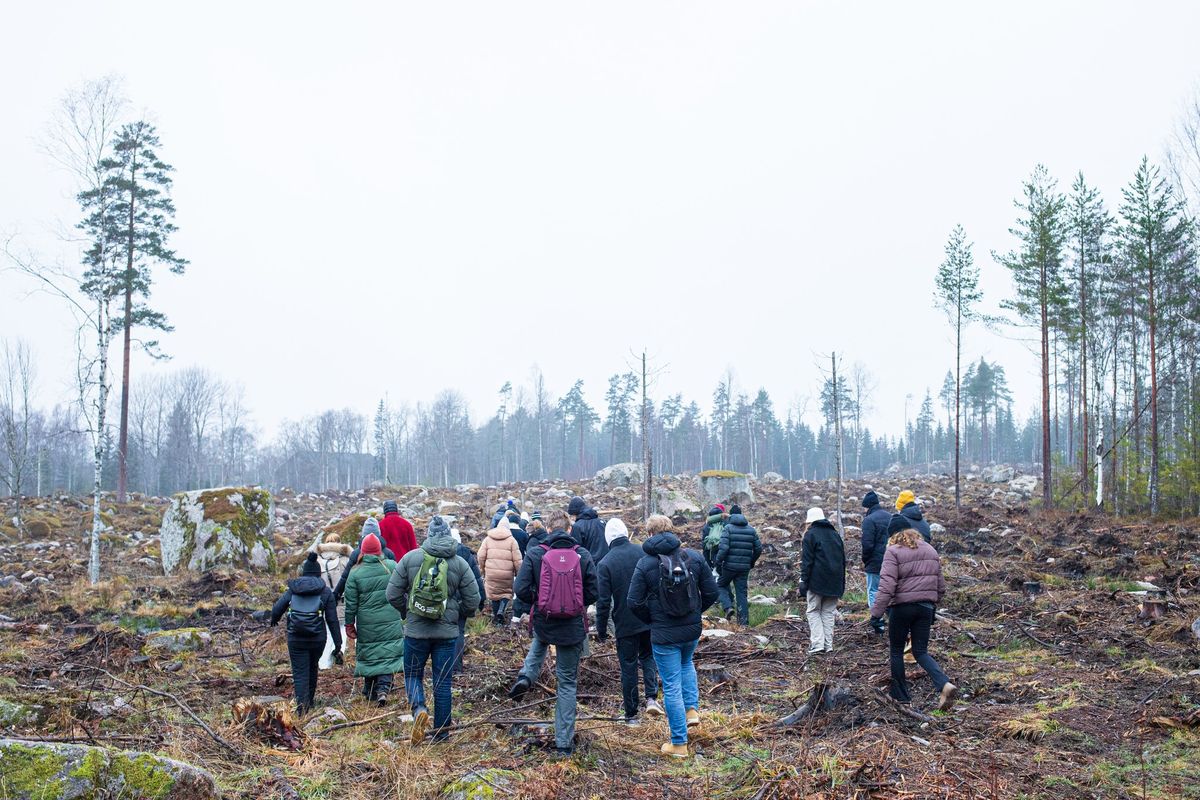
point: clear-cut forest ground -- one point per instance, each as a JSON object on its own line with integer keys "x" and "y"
{"x": 1066, "y": 693}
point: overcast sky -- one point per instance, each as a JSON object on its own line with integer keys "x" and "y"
{"x": 394, "y": 198}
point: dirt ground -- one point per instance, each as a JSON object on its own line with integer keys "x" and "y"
{"x": 1068, "y": 691}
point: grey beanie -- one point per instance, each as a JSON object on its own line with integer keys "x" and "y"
{"x": 370, "y": 525}
{"x": 437, "y": 527}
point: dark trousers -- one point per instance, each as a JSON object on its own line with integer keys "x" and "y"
{"x": 375, "y": 685}
{"x": 305, "y": 656}
{"x": 499, "y": 609}
{"x": 441, "y": 652}
{"x": 738, "y": 581}
{"x": 915, "y": 620}
{"x": 632, "y": 651}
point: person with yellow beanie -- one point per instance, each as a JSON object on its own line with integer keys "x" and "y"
{"x": 907, "y": 506}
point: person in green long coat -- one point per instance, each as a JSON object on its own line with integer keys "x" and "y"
{"x": 373, "y": 623}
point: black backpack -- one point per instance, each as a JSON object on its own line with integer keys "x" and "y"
{"x": 677, "y": 592}
{"x": 306, "y": 618}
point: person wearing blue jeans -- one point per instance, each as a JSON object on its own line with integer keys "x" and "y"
{"x": 441, "y": 652}
{"x": 737, "y": 553}
{"x": 655, "y": 598}
{"x": 874, "y": 544}
{"x": 680, "y": 691}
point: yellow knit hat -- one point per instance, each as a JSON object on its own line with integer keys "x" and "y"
{"x": 904, "y": 499}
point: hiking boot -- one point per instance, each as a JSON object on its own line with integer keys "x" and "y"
{"x": 381, "y": 699}
{"x": 439, "y": 737}
{"x": 653, "y": 708}
{"x": 420, "y": 725}
{"x": 947, "y": 698}
{"x": 729, "y": 612}
{"x": 674, "y": 750}
{"x": 564, "y": 752}
{"x": 633, "y": 722}
{"x": 693, "y": 719}
{"x": 519, "y": 688}
{"x": 816, "y": 650}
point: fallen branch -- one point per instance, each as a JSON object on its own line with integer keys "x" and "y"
{"x": 286, "y": 790}
{"x": 898, "y": 706}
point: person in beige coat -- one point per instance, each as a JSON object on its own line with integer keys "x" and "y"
{"x": 499, "y": 561}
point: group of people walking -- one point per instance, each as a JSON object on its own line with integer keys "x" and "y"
{"x": 406, "y": 605}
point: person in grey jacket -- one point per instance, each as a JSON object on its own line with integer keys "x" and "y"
{"x": 428, "y": 639}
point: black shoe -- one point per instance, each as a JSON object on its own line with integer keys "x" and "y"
{"x": 519, "y": 687}
{"x": 381, "y": 699}
{"x": 729, "y": 613}
{"x": 564, "y": 752}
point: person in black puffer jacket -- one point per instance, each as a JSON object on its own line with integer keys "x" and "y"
{"x": 311, "y": 610}
{"x": 633, "y": 635}
{"x": 588, "y": 528}
{"x": 673, "y": 638}
{"x": 739, "y": 550}
{"x": 874, "y": 543}
{"x": 822, "y": 578}
{"x": 907, "y": 505}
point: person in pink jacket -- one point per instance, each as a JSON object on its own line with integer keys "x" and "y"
{"x": 910, "y": 587}
{"x": 499, "y": 561}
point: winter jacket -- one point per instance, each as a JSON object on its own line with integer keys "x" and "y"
{"x": 398, "y": 534}
{"x": 588, "y": 531}
{"x": 616, "y": 571}
{"x": 710, "y": 520}
{"x": 909, "y": 576}
{"x": 460, "y": 582}
{"x": 306, "y": 586}
{"x": 740, "y": 546}
{"x": 557, "y": 631}
{"x": 917, "y": 520}
{"x": 874, "y": 538}
{"x": 499, "y": 561}
{"x": 643, "y": 591}
{"x": 466, "y": 555}
{"x": 823, "y": 564}
{"x": 340, "y": 591}
{"x": 379, "y": 648}
{"x": 333, "y": 558}
{"x": 520, "y": 537}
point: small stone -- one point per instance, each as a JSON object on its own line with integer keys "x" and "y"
{"x": 28, "y": 574}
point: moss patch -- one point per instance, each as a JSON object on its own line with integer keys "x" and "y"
{"x": 31, "y": 772}
{"x": 721, "y": 473}
{"x": 480, "y": 784}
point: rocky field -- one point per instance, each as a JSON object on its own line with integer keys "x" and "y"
{"x": 1075, "y": 639}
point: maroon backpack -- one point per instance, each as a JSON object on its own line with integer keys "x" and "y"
{"x": 560, "y": 585}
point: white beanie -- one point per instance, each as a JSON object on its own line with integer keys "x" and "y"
{"x": 814, "y": 514}
{"x": 614, "y": 529}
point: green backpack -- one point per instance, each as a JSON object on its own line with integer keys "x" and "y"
{"x": 713, "y": 540}
{"x": 430, "y": 592}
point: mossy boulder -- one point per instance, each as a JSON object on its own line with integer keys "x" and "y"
{"x": 481, "y": 784}
{"x": 627, "y": 475}
{"x": 47, "y": 771}
{"x": 13, "y": 715}
{"x": 724, "y": 486}
{"x": 180, "y": 640}
{"x": 210, "y": 528}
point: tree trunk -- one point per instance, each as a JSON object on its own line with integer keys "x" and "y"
{"x": 1047, "y": 499}
{"x": 1153, "y": 320}
{"x": 123, "y": 436}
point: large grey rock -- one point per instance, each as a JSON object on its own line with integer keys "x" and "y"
{"x": 936, "y": 528}
{"x": 773, "y": 477}
{"x": 628, "y": 474}
{"x": 49, "y": 771}
{"x": 1000, "y": 473}
{"x": 180, "y": 640}
{"x": 1024, "y": 485}
{"x": 208, "y": 528}
{"x": 720, "y": 486}
{"x": 672, "y": 502}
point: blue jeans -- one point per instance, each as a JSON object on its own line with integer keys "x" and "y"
{"x": 872, "y": 588}
{"x": 460, "y": 644}
{"x": 738, "y": 579}
{"x": 680, "y": 691}
{"x": 416, "y": 653}
{"x": 566, "y": 676}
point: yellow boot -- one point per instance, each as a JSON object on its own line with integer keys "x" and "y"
{"x": 693, "y": 717}
{"x": 674, "y": 750}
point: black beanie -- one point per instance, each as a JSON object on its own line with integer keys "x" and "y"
{"x": 898, "y": 523}
{"x": 735, "y": 509}
{"x": 311, "y": 567}
{"x": 870, "y": 499}
{"x": 389, "y": 506}
{"x": 576, "y": 506}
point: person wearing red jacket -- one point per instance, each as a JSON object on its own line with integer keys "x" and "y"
{"x": 397, "y": 532}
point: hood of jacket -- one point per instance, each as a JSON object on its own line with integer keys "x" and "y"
{"x": 661, "y": 544}
{"x": 824, "y": 523}
{"x": 588, "y": 513}
{"x": 334, "y": 549}
{"x": 738, "y": 519}
{"x": 912, "y": 511}
{"x": 560, "y": 539}
{"x": 440, "y": 546}
{"x": 307, "y": 585}
{"x": 500, "y": 534}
